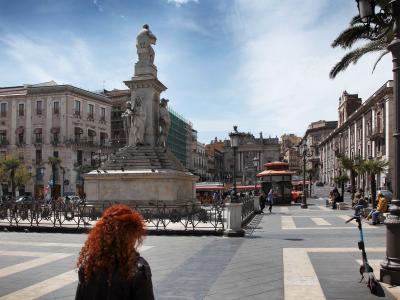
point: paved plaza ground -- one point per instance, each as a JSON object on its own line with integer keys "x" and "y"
{"x": 290, "y": 254}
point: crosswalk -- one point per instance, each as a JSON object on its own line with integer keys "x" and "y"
{"x": 317, "y": 218}
{"x": 37, "y": 259}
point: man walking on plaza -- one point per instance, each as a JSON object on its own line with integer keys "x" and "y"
{"x": 270, "y": 199}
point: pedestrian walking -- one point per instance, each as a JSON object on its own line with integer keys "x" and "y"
{"x": 270, "y": 199}
{"x": 110, "y": 266}
{"x": 262, "y": 201}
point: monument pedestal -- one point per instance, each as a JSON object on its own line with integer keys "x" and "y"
{"x": 141, "y": 175}
{"x": 141, "y": 187}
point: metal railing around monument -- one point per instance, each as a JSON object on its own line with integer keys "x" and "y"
{"x": 247, "y": 208}
{"x": 158, "y": 216}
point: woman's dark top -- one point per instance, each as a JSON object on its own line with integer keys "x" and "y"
{"x": 139, "y": 287}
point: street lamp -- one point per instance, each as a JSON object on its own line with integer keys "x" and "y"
{"x": 390, "y": 267}
{"x": 255, "y": 164}
{"x": 304, "y": 152}
{"x": 234, "y": 136}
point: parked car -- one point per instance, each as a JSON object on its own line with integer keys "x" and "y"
{"x": 319, "y": 183}
{"x": 348, "y": 188}
{"x": 26, "y": 199}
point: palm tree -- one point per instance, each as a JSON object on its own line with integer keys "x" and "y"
{"x": 53, "y": 162}
{"x": 373, "y": 167}
{"x": 352, "y": 166}
{"x": 359, "y": 32}
{"x": 9, "y": 167}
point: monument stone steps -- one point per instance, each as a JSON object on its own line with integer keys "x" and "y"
{"x": 143, "y": 157}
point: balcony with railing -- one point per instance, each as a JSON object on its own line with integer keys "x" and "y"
{"x": 377, "y": 133}
{"x": 4, "y": 143}
{"x": 90, "y": 117}
{"x": 85, "y": 142}
{"x": 77, "y": 113}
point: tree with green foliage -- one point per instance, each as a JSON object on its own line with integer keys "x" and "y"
{"x": 8, "y": 169}
{"x": 22, "y": 176}
{"x": 357, "y": 32}
{"x": 351, "y": 165}
{"x": 373, "y": 167}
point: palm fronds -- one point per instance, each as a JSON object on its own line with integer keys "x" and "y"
{"x": 353, "y": 56}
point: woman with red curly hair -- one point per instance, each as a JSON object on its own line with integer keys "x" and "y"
{"x": 110, "y": 266}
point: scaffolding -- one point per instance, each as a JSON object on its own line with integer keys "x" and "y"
{"x": 178, "y": 138}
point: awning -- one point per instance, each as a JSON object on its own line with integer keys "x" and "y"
{"x": 55, "y": 130}
{"x": 247, "y": 187}
{"x": 37, "y": 130}
{"x": 19, "y": 130}
{"x": 78, "y": 130}
{"x": 3, "y": 132}
{"x": 275, "y": 172}
{"x": 91, "y": 133}
{"x": 210, "y": 188}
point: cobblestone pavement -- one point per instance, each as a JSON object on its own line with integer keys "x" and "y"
{"x": 290, "y": 254}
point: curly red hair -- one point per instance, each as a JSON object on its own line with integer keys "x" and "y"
{"x": 113, "y": 242}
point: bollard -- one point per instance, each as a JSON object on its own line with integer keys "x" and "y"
{"x": 233, "y": 223}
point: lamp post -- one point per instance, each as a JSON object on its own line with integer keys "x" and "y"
{"x": 234, "y": 136}
{"x": 304, "y": 152}
{"x": 255, "y": 164}
{"x": 376, "y": 23}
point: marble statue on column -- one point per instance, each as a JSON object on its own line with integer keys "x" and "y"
{"x": 134, "y": 120}
{"x": 164, "y": 122}
{"x": 144, "y": 40}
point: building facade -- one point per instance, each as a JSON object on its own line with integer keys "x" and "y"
{"x": 215, "y": 158}
{"x": 289, "y": 152}
{"x": 51, "y": 120}
{"x": 314, "y": 135}
{"x": 365, "y": 130}
{"x": 263, "y": 149}
{"x": 199, "y": 160}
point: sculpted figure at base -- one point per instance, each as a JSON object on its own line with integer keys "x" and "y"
{"x": 165, "y": 123}
{"x": 144, "y": 40}
{"x": 127, "y": 116}
{"x": 134, "y": 120}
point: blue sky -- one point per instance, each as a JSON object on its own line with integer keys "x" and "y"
{"x": 260, "y": 64}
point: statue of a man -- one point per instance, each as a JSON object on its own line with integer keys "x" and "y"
{"x": 164, "y": 122}
{"x": 144, "y": 40}
{"x": 138, "y": 123}
{"x": 127, "y": 116}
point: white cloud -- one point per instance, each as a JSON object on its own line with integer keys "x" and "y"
{"x": 68, "y": 61}
{"x": 285, "y": 57}
{"x": 179, "y": 3}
